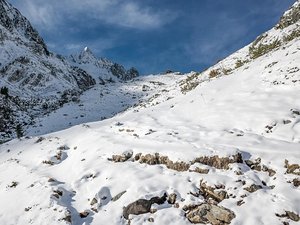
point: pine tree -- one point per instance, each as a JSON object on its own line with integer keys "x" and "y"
{"x": 4, "y": 91}
{"x": 19, "y": 131}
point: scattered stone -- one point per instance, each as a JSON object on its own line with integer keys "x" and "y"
{"x": 199, "y": 170}
{"x": 119, "y": 124}
{"x": 94, "y": 201}
{"x": 295, "y": 112}
{"x": 156, "y": 159}
{"x": 219, "y": 186}
{"x": 50, "y": 180}
{"x": 172, "y": 198}
{"x": 68, "y": 218}
{"x": 290, "y": 215}
{"x": 296, "y": 182}
{"x": 142, "y": 206}
{"x": 58, "y": 155}
{"x": 13, "y": 184}
{"x": 253, "y": 188}
{"x": 122, "y": 158}
{"x": 292, "y": 168}
{"x": 63, "y": 147}
{"x": 40, "y": 139}
{"x": 137, "y": 157}
{"x": 240, "y": 202}
{"x": 256, "y": 165}
{"x": 241, "y": 181}
{"x": 49, "y": 162}
{"x": 118, "y": 196}
{"x": 209, "y": 192}
{"x": 151, "y": 220}
{"x": 270, "y": 171}
{"x": 176, "y": 205}
{"x": 206, "y": 213}
{"x": 219, "y": 163}
{"x": 286, "y": 122}
{"x": 60, "y": 193}
{"x": 27, "y": 209}
{"x": 84, "y": 214}
{"x": 94, "y": 209}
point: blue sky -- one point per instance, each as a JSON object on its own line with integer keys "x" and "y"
{"x": 153, "y": 35}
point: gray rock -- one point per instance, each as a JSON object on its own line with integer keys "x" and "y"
{"x": 212, "y": 214}
{"x": 142, "y": 206}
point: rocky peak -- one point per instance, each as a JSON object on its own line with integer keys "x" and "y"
{"x": 16, "y": 25}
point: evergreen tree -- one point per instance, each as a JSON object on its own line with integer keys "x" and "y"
{"x": 19, "y": 131}
{"x": 4, "y": 91}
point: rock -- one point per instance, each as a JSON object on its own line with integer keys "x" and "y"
{"x": 209, "y": 192}
{"x": 172, "y": 198}
{"x": 296, "y": 182}
{"x": 145, "y": 88}
{"x": 122, "y": 158}
{"x": 118, "y": 196}
{"x": 206, "y": 213}
{"x": 151, "y": 220}
{"x": 253, "y": 188}
{"x": 240, "y": 202}
{"x": 290, "y": 215}
{"x": 51, "y": 180}
{"x": 219, "y": 162}
{"x": 84, "y": 214}
{"x": 63, "y": 147}
{"x": 293, "y": 216}
{"x": 200, "y": 170}
{"x": 157, "y": 159}
{"x": 142, "y": 206}
{"x": 292, "y": 168}
{"x": 94, "y": 201}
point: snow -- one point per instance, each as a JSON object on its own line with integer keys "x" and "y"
{"x": 254, "y": 110}
{"x": 220, "y": 117}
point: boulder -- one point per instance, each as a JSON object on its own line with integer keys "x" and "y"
{"x": 213, "y": 214}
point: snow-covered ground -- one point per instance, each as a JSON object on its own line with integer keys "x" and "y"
{"x": 51, "y": 180}
{"x": 105, "y": 101}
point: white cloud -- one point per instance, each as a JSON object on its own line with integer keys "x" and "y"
{"x": 48, "y": 14}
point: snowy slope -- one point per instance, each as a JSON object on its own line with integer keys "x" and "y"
{"x": 71, "y": 176}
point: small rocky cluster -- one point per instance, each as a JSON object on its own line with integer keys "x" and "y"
{"x": 157, "y": 159}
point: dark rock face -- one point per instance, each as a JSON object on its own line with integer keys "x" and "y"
{"x": 83, "y": 79}
{"x": 120, "y": 72}
{"x": 13, "y": 21}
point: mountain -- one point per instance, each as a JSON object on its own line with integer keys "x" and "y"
{"x": 34, "y": 81}
{"x": 27, "y": 67}
{"x": 217, "y": 147}
{"x": 102, "y": 69}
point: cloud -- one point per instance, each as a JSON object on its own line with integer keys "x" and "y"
{"x": 129, "y": 14}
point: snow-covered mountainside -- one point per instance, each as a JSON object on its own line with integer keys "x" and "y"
{"x": 34, "y": 81}
{"x": 202, "y": 148}
{"x": 102, "y": 69}
{"x": 27, "y": 67}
